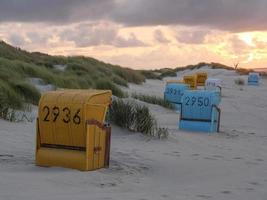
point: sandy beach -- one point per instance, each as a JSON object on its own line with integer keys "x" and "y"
{"x": 228, "y": 165}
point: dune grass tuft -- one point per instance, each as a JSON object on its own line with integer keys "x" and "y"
{"x": 29, "y": 93}
{"x": 153, "y": 100}
{"x": 239, "y": 81}
{"x": 135, "y": 117}
{"x": 9, "y": 100}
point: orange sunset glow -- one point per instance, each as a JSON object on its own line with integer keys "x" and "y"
{"x": 126, "y": 36}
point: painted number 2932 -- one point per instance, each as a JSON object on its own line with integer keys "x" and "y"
{"x": 54, "y": 113}
{"x": 199, "y": 101}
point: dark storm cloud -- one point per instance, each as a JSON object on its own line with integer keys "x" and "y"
{"x": 231, "y": 15}
{"x": 234, "y": 15}
{"x": 53, "y": 11}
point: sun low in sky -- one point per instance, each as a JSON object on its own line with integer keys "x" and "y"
{"x": 141, "y": 34}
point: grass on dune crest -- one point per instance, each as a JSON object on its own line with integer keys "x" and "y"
{"x": 17, "y": 66}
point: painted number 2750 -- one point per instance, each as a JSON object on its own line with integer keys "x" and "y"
{"x": 55, "y": 112}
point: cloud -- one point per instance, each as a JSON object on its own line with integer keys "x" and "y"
{"x": 95, "y": 34}
{"x": 260, "y": 44}
{"x": 192, "y": 37}
{"x": 238, "y": 46}
{"x": 164, "y": 56}
{"x": 233, "y": 15}
{"x": 17, "y": 39}
{"x": 38, "y": 37}
{"x": 54, "y": 11}
{"x": 131, "y": 41}
{"x": 90, "y": 34}
{"x": 160, "y": 37}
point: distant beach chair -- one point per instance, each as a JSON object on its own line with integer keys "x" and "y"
{"x": 173, "y": 93}
{"x": 191, "y": 80}
{"x": 214, "y": 84}
{"x": 200, "y": 111}
{"x": 201, "y": 78}
{"x": 254, "y": 78}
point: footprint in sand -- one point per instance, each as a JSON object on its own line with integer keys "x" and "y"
{"x": 102, "y": 185}
{"x": 254, "y": 183}
{"x": 204, "y": 196}
{"x": 249, "y": 189}
{"x": 217, "y": 156}
{"x": 128, "y": 166}
{"x": 210, "y": 158}
{"x": 259, "y": 159}
{"x": 226, "y": 192}
{"x": 6, "y": 155}
{"x": 174, "y": 153}
{"x": 107, "y": 198}
{"x": 7, "y": 158}
{"x": 238, "y": 158}
{"x": 251, "y": 163}
{"x": 164, "y": 195}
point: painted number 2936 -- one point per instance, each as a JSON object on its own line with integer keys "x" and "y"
{"x": 199, "y": 101}
{"x": 55, "y": 112}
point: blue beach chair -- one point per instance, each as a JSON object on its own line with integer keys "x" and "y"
{"x": 200, "y": 111}
{"x": 254, "y": 79}
{"x": 173, "y": 93}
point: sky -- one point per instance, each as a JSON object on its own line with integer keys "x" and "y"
{"x": 141, "y": 34}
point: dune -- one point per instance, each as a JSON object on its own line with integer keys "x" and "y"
{"x": 231, "y": 164}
